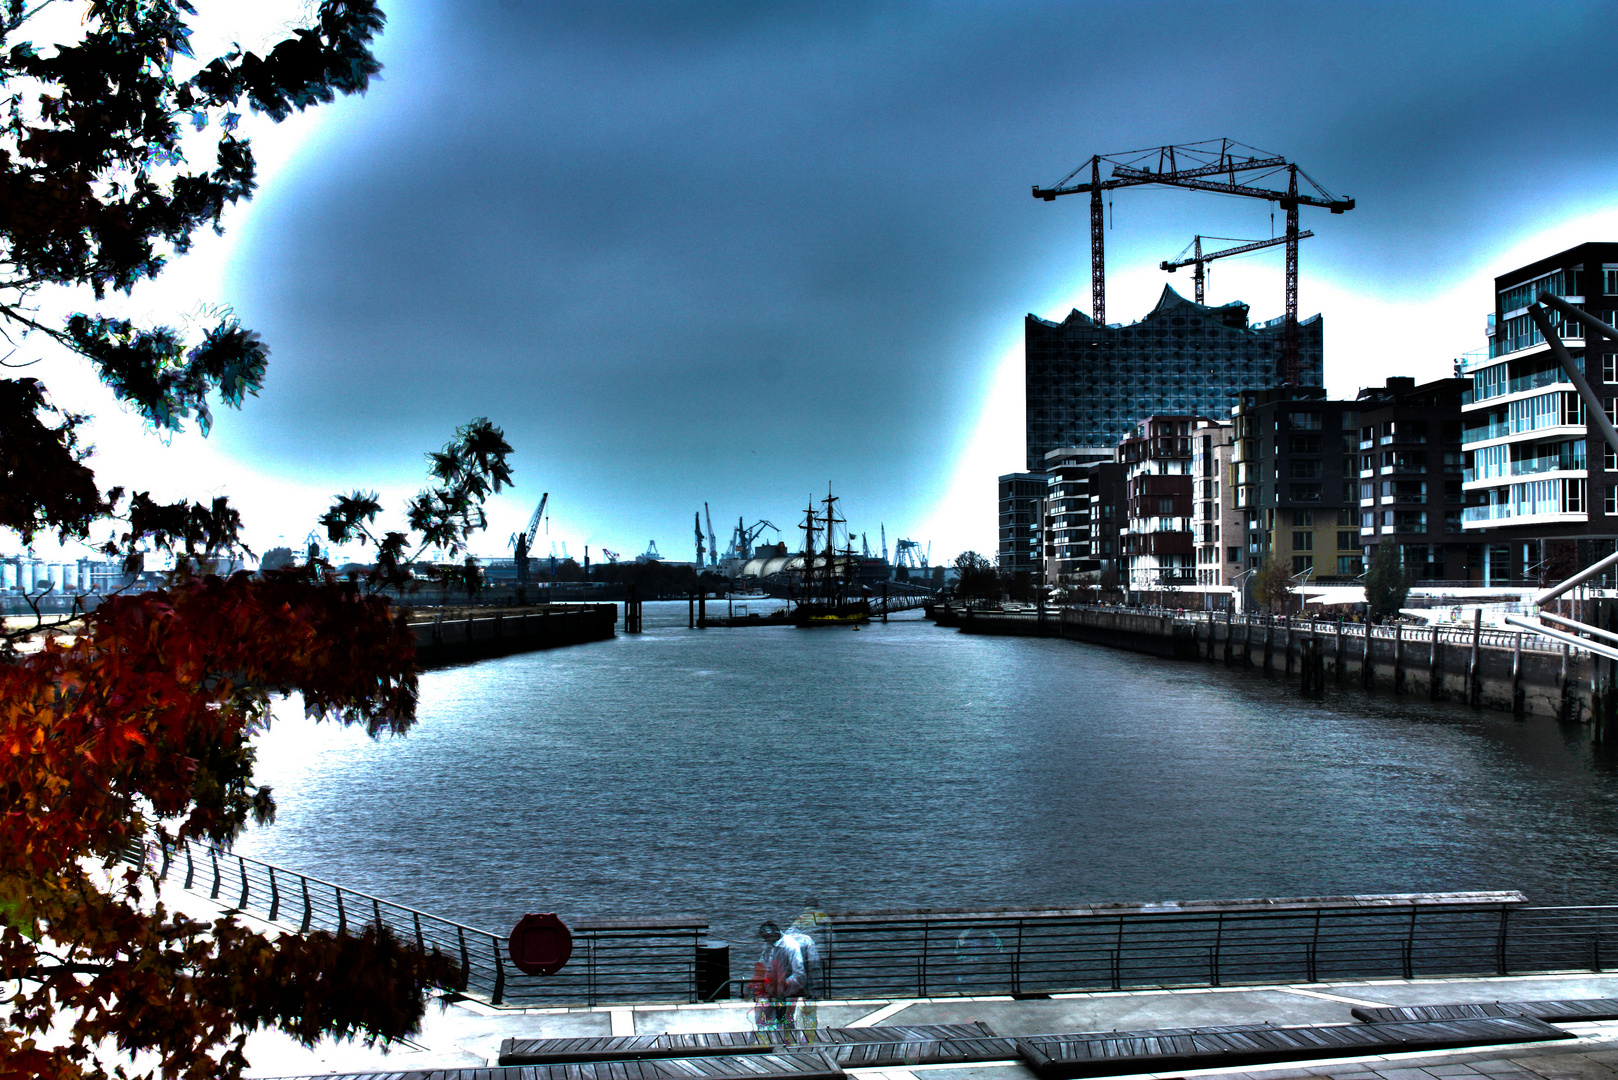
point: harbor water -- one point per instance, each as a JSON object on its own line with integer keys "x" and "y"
{"x": 737, "y": 774}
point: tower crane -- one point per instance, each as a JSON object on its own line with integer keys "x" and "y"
{"x": 1211, "y": 165}
{"x": 713, "y": 541}
{"x": 1198, "y": 259}
{"x": 523, "y": 542}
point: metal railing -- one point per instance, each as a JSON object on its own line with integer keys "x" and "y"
{"x": 639, "y": 960}
{"x": 985, "y": 954}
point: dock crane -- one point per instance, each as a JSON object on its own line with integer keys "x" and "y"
{"x": 1211, "y": 165}
{"x": 1198, "y": 259}
{"x": 741, "y": 541}
{"x": 713, "y": 541}
{"x": 523, "y": 542}
{"x": 700, "y": 549}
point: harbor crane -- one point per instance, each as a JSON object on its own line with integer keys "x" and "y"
{"x": 1199, "y": 260}
{"x": 741, "y": 541}
{"x": 713, "y": 541}
{"x": 908, "y": 553}
{"x": 522, "y": 543}
{"x": 700, "y": 549}
{"x": 1211, "y": 165}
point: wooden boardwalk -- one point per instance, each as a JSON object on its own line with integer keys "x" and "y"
{"x": 1556, "y": 1012}
{"x": 645, "y": 1047}
{"x": 1063, "y": 1057}
{"x": 796, "y": 1066}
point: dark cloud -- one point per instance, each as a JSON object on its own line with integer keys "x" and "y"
{"x": 730, "y": 251}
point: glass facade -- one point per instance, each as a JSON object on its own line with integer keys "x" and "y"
{"x": 1089, "y": 385}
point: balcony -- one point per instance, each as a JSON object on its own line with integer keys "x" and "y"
{"x": 1486, "y": 431}
{"x": 1473, "y": 515}
{"x": 1531, "y": 466}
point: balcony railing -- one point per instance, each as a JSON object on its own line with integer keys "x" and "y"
{"x": 1486, "y": 431}
{"x": 1531, "y": 466}
{"x": 1487, "y": 512}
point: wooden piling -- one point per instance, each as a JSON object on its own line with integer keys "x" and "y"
{"x": 1337, "y": 653}
{"x": 1435, "y": 672}
{"x": 1473, "y": 684}
{"x": 1398, "y": 658}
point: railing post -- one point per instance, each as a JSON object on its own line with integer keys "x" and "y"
{"x": 190, "y": 867}
{"x": 241, "y": 864}
{"x": 376, "y": 910}
{"x": 420, "y": 943}
{"x": 499, "y": 974}
{"x": 466, "y": 959}
{"x": 275, "y": 896}
{"x": 342, "y": 916}
{"x": 213, "y": 893}
{"x": 1500, "y": 942}
{"x": 308, "y": 911}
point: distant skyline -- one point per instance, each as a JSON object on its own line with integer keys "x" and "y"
{"x": 732, "y": 253}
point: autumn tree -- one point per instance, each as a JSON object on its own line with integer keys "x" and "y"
{"x": 979, "y": 580}
{"x": 136, "y": 730}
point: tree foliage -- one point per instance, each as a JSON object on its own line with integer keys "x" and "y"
{"x": 136, "y": 731}
{"x": 1272, "y": 584}
{"x": 979, "y": 580}
{"x": 1386, "y": 583}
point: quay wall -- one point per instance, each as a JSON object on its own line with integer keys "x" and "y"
{"x": 500, "y": 632}
{"x": 1491, "y": 669}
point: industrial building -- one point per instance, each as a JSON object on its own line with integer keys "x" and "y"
{"x": 1540, "y": 504}
{"x": 1089, "y": 385}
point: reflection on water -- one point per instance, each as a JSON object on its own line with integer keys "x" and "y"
{"x": 734, "y": 773}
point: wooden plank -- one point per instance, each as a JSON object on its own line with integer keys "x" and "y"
{"x": 1096, "y": 1054}
{"x": 1548, "y": 1011}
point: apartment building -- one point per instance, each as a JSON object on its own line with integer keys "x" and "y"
{"x": 1083, "y": 501}
{"x": 1216, "y": 524}
{"x": 1157, "y": 538}
{"x": 1410, "y": 478}
{"x": 1297, "y": 485}
{"x": 1022, "y": 511}
{"x": 1537, "y": 501}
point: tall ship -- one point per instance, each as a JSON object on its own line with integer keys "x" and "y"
{"x": 828, "y": 592}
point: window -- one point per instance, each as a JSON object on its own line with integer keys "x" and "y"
{"x": 1301, "y": 563}
{"x": 1609, "y": 363}
{"x": 1349, "y": 541}
{"x": 1304, "y": 493}
{"x": 1233, "y": 554}
{"x": 1348, "y": 566}
{"x": 1303, "y": 541}
{"x": 1610, "y": 501}
{"x": 1303, "y": 519}
{"x": 1609, "y": 276}
{"x": 1609, "y": 457}
{"x": 1345, "y": 516}
{"x": 1305, "y": 468}
{"x": 1306, "y": 421}
{"x": 1368, "y": 491}
{"x": 1304, "y": 444}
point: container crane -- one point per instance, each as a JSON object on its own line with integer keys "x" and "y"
{"x": 1198, "y": 259}
{"x": 1199, "y": 167}
{"x": 523, "y": 542}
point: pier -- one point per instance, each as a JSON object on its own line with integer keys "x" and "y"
{"x": 1511, "y": 671}
{"x": 480, "y": 633}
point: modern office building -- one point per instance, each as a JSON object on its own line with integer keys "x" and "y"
{"x": 1022, "y": 499}
{"x": 1410, "y": 478}
{"x": 1216, "y": 524}
{"x": 1083, "y": 504}
{"x": 1540, "y": 503}
{"x": 1089, "y": 385}
{"x": 1297, "y": 483}
{"x": 1157, "y": 537}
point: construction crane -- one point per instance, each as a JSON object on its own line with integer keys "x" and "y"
{"x": 884, "y": 542}
{"x": 612, "y": 556}
{"x": 1198, "y": 259}
{"x": 713, "y": 541}
{"x": 908, "y": 553}
{"x": 700, "y": 549}
{"x": 523, "y": 542}
{"x": 1204, "y": 166}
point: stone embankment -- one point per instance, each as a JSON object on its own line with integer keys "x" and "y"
{"x": 477, "y": 634}
{"x": 1510, "y": 671}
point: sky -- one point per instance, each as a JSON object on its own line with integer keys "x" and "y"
{"x": 742, "y": 253}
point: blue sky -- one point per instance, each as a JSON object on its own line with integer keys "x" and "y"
{"x": 735, "y": 252}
